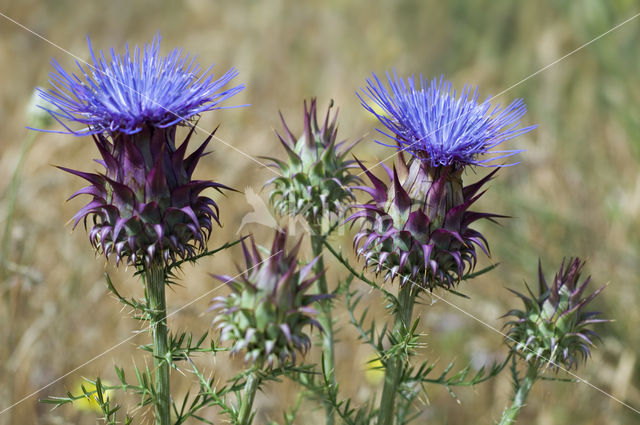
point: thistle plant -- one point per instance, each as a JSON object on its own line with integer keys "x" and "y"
{"x": 267, "y": 313}
{"x": 553, "y": 331}
{"x": 416, "y": 228}
{"x": 145, "y": 208}
{"x": 316, "y": 182}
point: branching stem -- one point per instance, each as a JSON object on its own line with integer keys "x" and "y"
{"x": 522, "y": 391}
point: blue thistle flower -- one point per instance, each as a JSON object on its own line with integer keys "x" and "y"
{"x": 145, "y": 206}
{"x": 130, "y": 92}
{"x": 439, "y": 127}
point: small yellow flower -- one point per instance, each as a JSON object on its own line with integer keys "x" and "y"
{"x": 88, "y": 403}
{"x": 374, "y": 370}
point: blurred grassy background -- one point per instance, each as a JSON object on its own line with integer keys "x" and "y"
{"x": 575, "y": 192}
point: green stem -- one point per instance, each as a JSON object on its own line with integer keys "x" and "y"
{"x": 208, "y": 253}
{"x": 250, "y": 390}
{"x": 511, "y": 413}
{"x": 350, "y": 268}
{"x": 154, "y": 281}
{"x": 395, "y": 366}
{"x": 324, "y": 317}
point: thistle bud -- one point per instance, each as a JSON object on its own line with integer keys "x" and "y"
{"x": 554, "y": 327}
{"x": 268, "y": 309}
{"x": 316, "y": 178}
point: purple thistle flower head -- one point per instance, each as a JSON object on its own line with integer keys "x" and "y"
{"x": 555, "y": 328}
{"x": 145, "y": 207}
{"x": 440, "y": 127}
{"x": 133, "y": 90}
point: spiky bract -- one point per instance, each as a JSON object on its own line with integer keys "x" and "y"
{"x": 316, "y": 179}
{"x": 266, "y": 313}
{"x": 417, "y": 228}
{"x": 554, "y": 327}
{"x": 132, "y": 91}
{"x": 146, "y": 206}
{"x": 441, "y": 129}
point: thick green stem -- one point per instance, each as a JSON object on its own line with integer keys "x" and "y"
{"x": 250, "y": 390}
{"x": 393, "y": 371}
{"x": 154, "y": 281}
{"x": 324, "y": 317}
{"x": 511, "y": 413}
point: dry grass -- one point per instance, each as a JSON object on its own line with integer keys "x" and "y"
{"x": 575, "y": 192}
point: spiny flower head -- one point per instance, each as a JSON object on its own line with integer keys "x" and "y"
{"x": 316, "y": 179}
{"x": 268, "y": 307}
{"x": 441, "y": 128}
{"x": 132, "y": 91}
{"x": 417, "y": 227}
{"x": 555, "y": 327}
{"x": 146, "y": 206}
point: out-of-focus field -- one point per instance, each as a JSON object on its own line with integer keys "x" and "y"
{"x": 576, "y": 190}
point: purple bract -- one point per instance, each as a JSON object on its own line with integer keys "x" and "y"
{"x": 146, "y": 205}
{"x": 417, "y": 227}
